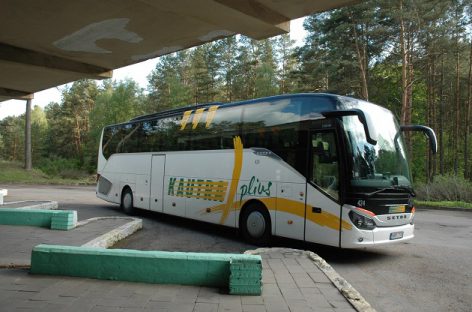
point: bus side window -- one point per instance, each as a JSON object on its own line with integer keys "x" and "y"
{"x": 225, "y": 126}
{"x": 325, "y": 164}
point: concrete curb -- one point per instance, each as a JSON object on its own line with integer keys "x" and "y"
{"x": 112, "y": 237}
{"x": 443, "y": 208}
{"x": 54, "y": 219}
{"x": 47, "y": 205}
{"x": 346, "y": 289}
{"x": 104, "y": 241}
{"x": 241, "y": 273}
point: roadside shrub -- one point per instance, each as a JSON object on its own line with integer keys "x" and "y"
{"x": 58, "y": 167}
{"x": 73, "y": 174}
{"x": 446, "y": 188}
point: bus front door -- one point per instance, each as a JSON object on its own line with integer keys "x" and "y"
{"x": 157, "y": 182}
{"x": 323, "y": 208}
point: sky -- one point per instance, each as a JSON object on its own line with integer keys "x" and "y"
{"x": 137, "y": 72}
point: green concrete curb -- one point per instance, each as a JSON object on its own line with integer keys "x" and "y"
{"x": 33, "y": 204}
{"x": 160, "y": 267}
{"x": 53, "y": 219}
{"x": 245, "y": 277}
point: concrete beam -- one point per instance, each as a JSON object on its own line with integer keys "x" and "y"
{"x": 255, "y": 9}
{"x": 15, "y": 94}
{"x": 24, "y": 56}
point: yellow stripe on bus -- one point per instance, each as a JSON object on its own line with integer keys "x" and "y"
{"x": 225, "y": 183}
{"x": 293, "y": 207}
{"x": 210, "y": 115}
{"x": 185, "y": 119}
{"x": 196, "y": 117}
{"x": 238, "y": 164}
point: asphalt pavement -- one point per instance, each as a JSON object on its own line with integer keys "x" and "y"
{"x": 432, "y": 272}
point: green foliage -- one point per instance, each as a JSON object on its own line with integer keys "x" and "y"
{"x": 13, "y": 172}
{"x": 446, "y": 188}
{"x": 440, "y": 204}
{"x": 12, "y": 130}
{"x": 56, "y": 166}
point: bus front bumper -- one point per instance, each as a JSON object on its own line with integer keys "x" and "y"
{"x": 357, "y": 238}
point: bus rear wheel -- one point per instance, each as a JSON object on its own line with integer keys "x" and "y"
{"x": 255, "y": 224}
{"x": 127, "y": 201}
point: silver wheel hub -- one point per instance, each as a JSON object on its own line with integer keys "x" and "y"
{"x": 256, "y": 224}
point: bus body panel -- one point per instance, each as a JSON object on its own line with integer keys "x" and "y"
{"x": 322, "y": 215}
{"x": 195, "y": 184}
{"x": 129, "y": 170}
{"x": 157, "y": 182}
{"x": 290, "y": 197}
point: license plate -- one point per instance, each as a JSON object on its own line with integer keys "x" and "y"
{"x": 396, "y": 235}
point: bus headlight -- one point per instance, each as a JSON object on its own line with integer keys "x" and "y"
{"x": 361, "y": 222}
{"x": 412, "y": 218}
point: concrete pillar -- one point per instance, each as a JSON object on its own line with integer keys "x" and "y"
{"x": 28, "y": 157}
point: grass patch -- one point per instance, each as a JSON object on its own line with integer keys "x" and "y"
{"x": 13, "y": 172}
{"x": 448, "y": 204}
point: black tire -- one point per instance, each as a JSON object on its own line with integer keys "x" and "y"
{"x": 255, "y": 224}
{"x": 127, "y": 201}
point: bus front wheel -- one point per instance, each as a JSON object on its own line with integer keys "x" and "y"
{"x": 255, "y": 224}
{"x": 127, "y": 201}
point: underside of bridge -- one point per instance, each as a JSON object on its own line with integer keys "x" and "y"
{"x": 46, "y": 43}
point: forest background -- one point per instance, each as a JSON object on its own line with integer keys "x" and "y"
{"x": 413, "y": 57}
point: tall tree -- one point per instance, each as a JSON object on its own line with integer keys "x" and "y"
{"x": 169, "y": 83}
{"x": 284, "y": 48}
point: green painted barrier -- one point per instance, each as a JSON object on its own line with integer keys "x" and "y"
{"x": 160, "y": 267}
{"x": 53, "y": 219}
{"x": 245, "y": 277}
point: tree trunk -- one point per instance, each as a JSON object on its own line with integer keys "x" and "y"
{"x": 361, "y": 60}
{"x": 406, "y": 74}
{"x": 457, "y": 113}
{"x": 441, "y": 119}
{"x": 467, "y": 170}
{"x": 404, "y": 57}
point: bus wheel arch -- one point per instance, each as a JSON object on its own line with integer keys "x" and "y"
{"x": 127, "y": 200}
{"x": 255, "y": 224}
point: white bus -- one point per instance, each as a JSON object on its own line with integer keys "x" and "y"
{"x": 322, "y": 168}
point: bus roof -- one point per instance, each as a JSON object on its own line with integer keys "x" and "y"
{"x": 180, "y": 110}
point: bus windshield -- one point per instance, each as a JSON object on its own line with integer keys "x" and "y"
{"x": 377, "y": 166}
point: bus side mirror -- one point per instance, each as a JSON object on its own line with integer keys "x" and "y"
{"x": 433, "y": 142}
{"x": 370, "y": 133}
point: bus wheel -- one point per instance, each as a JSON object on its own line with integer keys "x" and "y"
{"x": 255, "y": 224}
{"x": 127, "y": 201}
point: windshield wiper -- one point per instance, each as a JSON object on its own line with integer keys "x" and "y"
{"x": 393, "y": 188}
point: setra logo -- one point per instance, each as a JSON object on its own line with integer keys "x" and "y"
{"x": 397, "y": 217}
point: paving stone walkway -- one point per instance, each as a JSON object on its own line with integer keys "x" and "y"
{"x": 16, "y": 242}
{"x": 292, "y": 283}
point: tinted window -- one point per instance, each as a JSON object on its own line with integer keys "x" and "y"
{"x": 225, "y": 125}
{"x": 111, "y": 138}
{"x": 272, "y": 124}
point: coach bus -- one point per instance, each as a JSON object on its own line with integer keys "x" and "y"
{"x": 321, "y": 168}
